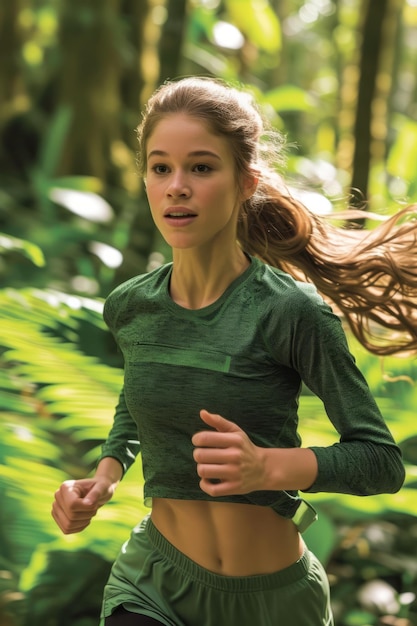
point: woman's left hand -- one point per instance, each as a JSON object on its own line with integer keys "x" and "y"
{"x": 228, "y": 462}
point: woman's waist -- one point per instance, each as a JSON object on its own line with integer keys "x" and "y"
{"x": 227, "y": 538}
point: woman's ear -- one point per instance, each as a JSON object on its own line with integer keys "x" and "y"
{"x": 249, "y": 184}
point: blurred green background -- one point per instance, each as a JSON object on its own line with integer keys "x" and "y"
{"x": 339, "y": 78}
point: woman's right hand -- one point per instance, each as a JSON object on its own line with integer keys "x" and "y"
{"x": 77, "y": 501}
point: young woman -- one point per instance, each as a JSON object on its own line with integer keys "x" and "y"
{"x": 216, "y": 347}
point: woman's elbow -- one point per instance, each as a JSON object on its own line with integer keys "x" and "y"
{"x": 394, "y": 474}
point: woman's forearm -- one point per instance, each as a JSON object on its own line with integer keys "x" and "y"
{"x": 289, "y": 468}
{"x": 109, "y": 468}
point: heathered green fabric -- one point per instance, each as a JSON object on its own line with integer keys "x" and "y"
{"x": 244, "y": 357}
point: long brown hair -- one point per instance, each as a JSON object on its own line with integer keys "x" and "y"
{"x": 370, "y": 275}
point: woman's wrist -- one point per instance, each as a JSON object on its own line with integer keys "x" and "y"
{"x": 109, "y": 468}
{"x": 289, "y": 468}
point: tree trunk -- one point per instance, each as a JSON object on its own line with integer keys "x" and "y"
{"x": 395, "y": 69}
{"x": 371, "y": 123}
{"x": 171, "y": 39}
{"x": 90, "y": 74}
{"x": 10, "y": 43}
{"x": 134, "y": 15}
{"x": 16, "y": 145}
{"x": 372, "y": 42}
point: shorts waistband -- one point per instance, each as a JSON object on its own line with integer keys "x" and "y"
{"x": 259, "y": 582}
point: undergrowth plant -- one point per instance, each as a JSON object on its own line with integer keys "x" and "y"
{"x": 56, "y": 407}
{"x": 59, "y": 382}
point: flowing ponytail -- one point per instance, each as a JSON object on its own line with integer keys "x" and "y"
{"x": 369, "y": 275}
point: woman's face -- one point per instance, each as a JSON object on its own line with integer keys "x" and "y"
{"x": 191, "y": 184}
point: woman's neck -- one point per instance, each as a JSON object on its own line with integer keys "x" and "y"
{"x": 199, "y": 279}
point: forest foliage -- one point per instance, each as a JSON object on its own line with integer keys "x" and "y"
{"x": 338, "y": 78}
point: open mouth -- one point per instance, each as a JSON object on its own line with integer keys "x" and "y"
{"x": 179, "y": 215}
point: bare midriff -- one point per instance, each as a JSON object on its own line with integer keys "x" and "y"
{"x": 227, "y": 538}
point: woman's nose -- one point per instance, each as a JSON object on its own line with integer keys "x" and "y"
{"x": 178, "y": 186}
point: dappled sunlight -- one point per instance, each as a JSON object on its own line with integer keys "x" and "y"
{"x": 227, "y": 36}
{"x": 109, "y": 255}
{"x": 75, "y": 222}
{"x": 86, "y": 204}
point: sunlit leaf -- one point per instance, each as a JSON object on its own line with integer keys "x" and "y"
{"x": 108, "y": 255}
{"x": 289, "y": 98}
{"x": 410, "y": 13}
{"x": 212, "y": 62}
{"x": 24, "y": 441}
{"x": 80, "y": 183}
{"x": 402, "y": 160}
{"x": 257, "y": 20}
{"x": 357, "y": 617}
{"x": 200, "y": 24}
{"x": 26, "y": 248}
{"x": 32, "y": 53}
{"x": 86, "y": 204}
{"x": 13, "y": 402}
{"x": 47, "y": 21}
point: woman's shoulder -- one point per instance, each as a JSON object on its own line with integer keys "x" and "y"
{"x": 138, "y": 288}
{"x": 280, "y": 286}
{"x": 291, "y": 308}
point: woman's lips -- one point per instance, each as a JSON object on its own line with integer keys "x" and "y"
{"x": 178, "y": 217}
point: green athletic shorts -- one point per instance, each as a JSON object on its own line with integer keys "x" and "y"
{"x": 151, "y": 577}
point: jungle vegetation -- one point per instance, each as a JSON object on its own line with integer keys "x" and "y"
{"x": 339, "y": 78}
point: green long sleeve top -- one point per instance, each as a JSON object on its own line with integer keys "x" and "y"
{"x": 244, "y": 357}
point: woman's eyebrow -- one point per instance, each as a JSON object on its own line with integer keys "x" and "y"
{"x": 194, "y": 153}
{"x": 204, "y": 153}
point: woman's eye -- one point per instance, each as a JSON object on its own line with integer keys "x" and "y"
{"x": 159, "y": 169}
{"x": 202, "y": 169}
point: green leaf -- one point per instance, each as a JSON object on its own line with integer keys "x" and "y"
{"x": 289, "y": 98}
{"x": 200, "y": 24}
{"x": 80, "y": 183}
{"x": 53, "y": 142}
{"x": 356, "y": 617}
{"x": 257, "y": 20}
{"x": 213, "y": 62}
{"x": 59, "y": 582}
{"x": 402, "y": 159}
{"x": 22, "y": 438}
{"x": 25, "y": 248}
{"x": 321, "y": 537}
{"x": 86, "y": 204}
{"x": 13, "y": 402}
